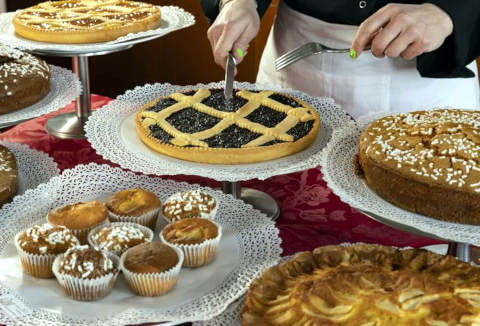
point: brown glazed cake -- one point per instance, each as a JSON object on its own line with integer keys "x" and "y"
{"x": 153, "y": 257}
{"x": 365, "y": 285}
{"x": 24, "y": 79}
{"x": 8, "y": 175}
{"x": 426, "y": 162}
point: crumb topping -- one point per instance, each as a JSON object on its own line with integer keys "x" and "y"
{"x": 188, "y": 204}
{"x": 441, "y": 146}
{"x": 118, "y": 237}
{"x": 47, "y": 239}
{"x": 86, "y": 263}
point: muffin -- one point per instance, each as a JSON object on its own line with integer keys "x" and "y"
{"x": 117, "y": 237}
{"x": 189, "y": 204}
{"x": 134, "y": 205}
{"x": 86, "y": 273}
{"x": 152, "y": 268}
{"x": 38, "y": 246}
{"x": 198, "y": 239}
{"x": 79, "y": 217}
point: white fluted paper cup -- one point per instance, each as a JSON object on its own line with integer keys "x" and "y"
{"x": 152, "y": 284}
{"x": 85, "y": 289}
{"x": 148, "y": 219}
{"x": 35, "y": 264}
{"x": 92, "y": 242}
{"x": 201, "y": 254}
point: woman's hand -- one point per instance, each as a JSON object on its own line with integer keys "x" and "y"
{"x": 403, "y": 30}
{"x": 236, "y": 25}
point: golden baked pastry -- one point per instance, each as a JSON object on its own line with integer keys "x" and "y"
{"x": 426, "y": 162}
{"x": 189, "y": 231}
{"x": 85, "y": 21}
{"x": 47, "y": 239}
{"x": 86, "y": 263}
{"x": 118, "y": 237}
{"x": 188, "y": 204}
{"x": 253, "y": 126}
{"x": 79, "y": 215}
{"x": 132, "y": 202}
{"x": 151, "y": 257}
{"x": 8, "y": 175}
{"x": 24, "y": 80}
{"x": 365, "y": 285}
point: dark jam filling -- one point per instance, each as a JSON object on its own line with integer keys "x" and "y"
{"x": 217, "y": 100}
{"x": 162, "y": 104}
{"x": 190, "y": 120}
{"x": 266, "y": 116}
{"x": 232, "y": 137}
{"x": 273, "y": 142}
{"x": 285, "y": 100}
{"x": 300, "y": 129}
{"x": 160, "y": 134}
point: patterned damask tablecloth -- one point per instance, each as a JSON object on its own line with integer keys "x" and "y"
{"x": 311, "y": 215}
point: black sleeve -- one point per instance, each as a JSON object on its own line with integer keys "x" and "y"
{"x": 210, "y": 8}
{"x": 460, "y": 48}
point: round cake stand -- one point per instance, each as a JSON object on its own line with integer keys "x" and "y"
{"x": 461, "y": 251}
{"x": 70, "y": 125}
{"x": 258, "y": 199}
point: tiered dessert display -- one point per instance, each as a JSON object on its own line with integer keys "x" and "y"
{"x": 29, "y": 87}
{"x": 417, "y": 172}
{"x": 190, "y": 270}
{"x": 114, "y": 25}
{"x": 264, "y": 131}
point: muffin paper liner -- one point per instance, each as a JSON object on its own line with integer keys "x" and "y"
{"x": 145, "y": 230}
{"x": 84, "y": 289}
{"x": 152, "y": 284}
{"x": 35, "y": 264}
{"x": 197, "y": 255}
{"x": 208, "y": 216}
{"x": 82, "y": 234}
{"x": 148, "y": 219}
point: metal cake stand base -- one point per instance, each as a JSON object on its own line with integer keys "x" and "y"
{"x": 258, "y": 199}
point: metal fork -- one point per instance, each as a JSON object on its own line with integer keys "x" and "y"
{"x": 302, "y": 52}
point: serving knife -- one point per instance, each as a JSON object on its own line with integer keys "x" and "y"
{"x": 229, "y": 76}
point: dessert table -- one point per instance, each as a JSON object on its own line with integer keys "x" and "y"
{"x": 311, "y": 215}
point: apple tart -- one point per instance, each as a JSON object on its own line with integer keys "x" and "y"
{"x": 202, "y": 126}
{"x": 365, "y": 285}
{"x": 85, "y": 21}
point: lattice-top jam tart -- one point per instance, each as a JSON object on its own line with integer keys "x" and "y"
{"x": 202, "y": 126}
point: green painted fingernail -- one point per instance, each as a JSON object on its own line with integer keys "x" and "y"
{"x": 353, "y": 53}
{"x": 240, "y": 52}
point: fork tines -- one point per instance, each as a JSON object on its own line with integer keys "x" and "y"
{"x": 295, "y": 55}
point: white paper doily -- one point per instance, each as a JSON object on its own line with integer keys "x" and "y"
{"x": 338, "y": 172}
{"x": 173, "y": 18}
{"x": 111, "y": 131}
{"x": 64, "y": 88}
{"x": 34, "y": 167}
{"x": 232, "y": 315}
{"x": 250, "y": 243}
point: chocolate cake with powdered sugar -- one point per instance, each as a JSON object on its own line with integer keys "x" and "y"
{"x": 8, "y": 175}
{"x": 426, "y": 162}
{"x": 24, "y": 79}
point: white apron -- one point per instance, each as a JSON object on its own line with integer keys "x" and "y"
{"x": 362, "y": 86}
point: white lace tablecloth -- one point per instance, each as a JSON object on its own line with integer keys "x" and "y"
{"x": 173, "y": 18}
{"x": 64, "y": 88}
{"x": 111, "y": 131}
{"x": 250, "y": 243}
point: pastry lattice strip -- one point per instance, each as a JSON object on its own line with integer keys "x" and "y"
{"x": 88, "y": 13}
{"x": 227, "y": 119}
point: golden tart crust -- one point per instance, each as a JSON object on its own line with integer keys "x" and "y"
{"x": 193, "y": 147}
{"x": 365, "y": 285}
{"x": 190, "y": 231}
{"x": 8, "y": 175}
{"x": 79, "y": 216}
{"x": 85, "y": 21}
{"x": 132, "y": 202}
{"x": 426, "y": 162}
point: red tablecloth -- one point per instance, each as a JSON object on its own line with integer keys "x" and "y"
{"x": 311, "y": 214}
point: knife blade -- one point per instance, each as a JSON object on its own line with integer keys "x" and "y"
{"x": 229, "y": 76}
